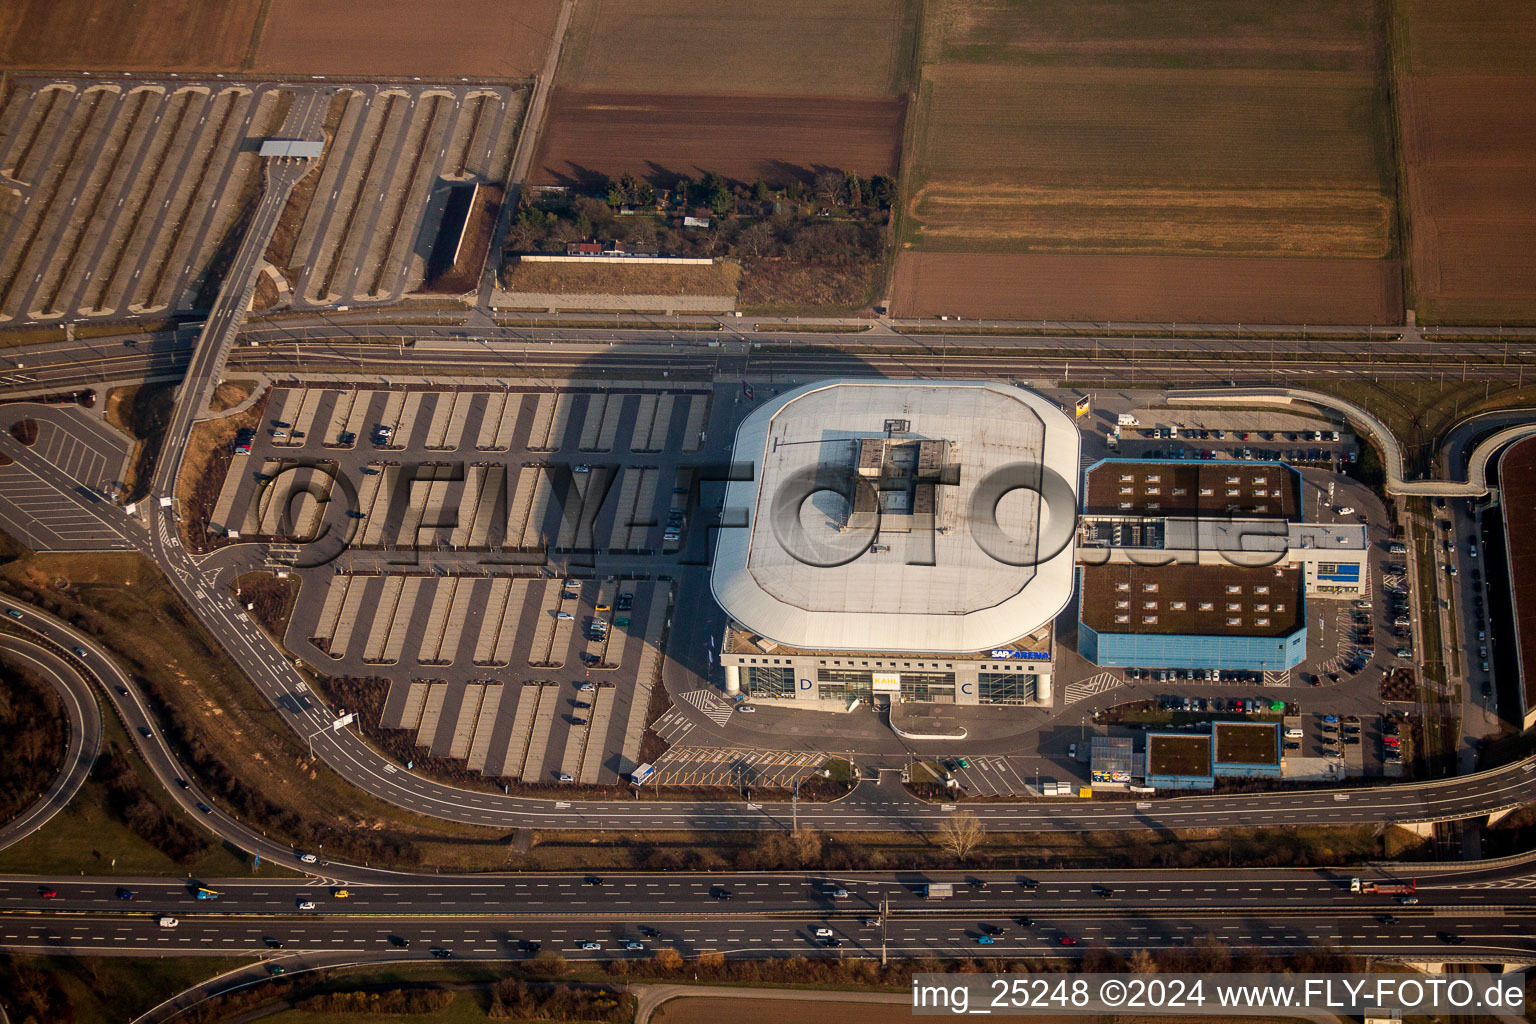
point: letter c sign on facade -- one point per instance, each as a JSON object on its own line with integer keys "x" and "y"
{"x": 965, "y": 687}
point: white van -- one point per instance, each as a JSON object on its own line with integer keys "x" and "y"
{"x": 169, "y": 922}
{"x": 1293, "y": 733}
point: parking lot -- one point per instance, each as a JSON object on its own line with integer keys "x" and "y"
{"x": 128, "y": 190}
{"x": 491, "y": 659}
{"x": 48, "y": 490}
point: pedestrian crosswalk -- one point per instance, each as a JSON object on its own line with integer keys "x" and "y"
{"x": 1091, "y": 686}
{"x": 715, "y": 709}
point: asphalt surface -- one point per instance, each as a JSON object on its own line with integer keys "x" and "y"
{"x": 52, "y": 664}
{"x": 229, "y": 311}
{"x": 777, "y": 914}
{"x": 871, "y": 807}
{"x": 341, "y": 342}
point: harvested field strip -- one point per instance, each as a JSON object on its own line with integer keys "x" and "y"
{"x": 478, "y": 39}
{"x": 843, "y": 47}
{"x": 1339, "y": 222}
{"x": 778, "y": 139}
{"x": 216, "y": 145}
{"x": 104, "y": 177}
{"x": 1322, "y": 35}
{"x": 1185, "y": 289}
{"x": 1096, "y": 126}
{"x": 85, "y": 118}
{"x": 622, "y": 279}
{"x": 146, "y": 35}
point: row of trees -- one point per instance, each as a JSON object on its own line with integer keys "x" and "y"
{"x": 829, "y": 185}
{"x": 753, "y": 222}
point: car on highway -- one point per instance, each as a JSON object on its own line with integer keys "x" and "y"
{"x": 306, "y": 904}
{"x": 832, "y": 943}
{"x": 1451, "y": 938}
{"x": 341, "y": 894}
{"x": 441, "y": 953}
{"x": 276, "y": 969}
{"x": 1067, "y": 940}
{"x": 838, "y": 894}
{"x": 1024, "y": 922}
{"x": 122, "y": 691}
{"x": 204, "y": 807}
{"x": 308, "y": 858}
{"x": 720, "y": 893}
{"x": 589, "y": 944}
{"x": 823, "y": 932}
{"x": 1408, "y": 901}
{"x": 1028, "y": 883}
{"x": 992, "y": 929}
{"x": 594, "y": 880}
{"x": 633, "y": 945}
{"x": 649, "y": 932}
{"x": 168, "y": 922}
{"x": 182, "y": 783}
{"x": 985, "y": 940}
{"x": 125, "y": 894}
{"x": 144, "y": 731}
{"x": 272, "y": 943}
{"x": 13, "y": 613}
{"x": 399, "y": 941}
{"x": 78, "y": 652}
{"x": 46, "y": 893}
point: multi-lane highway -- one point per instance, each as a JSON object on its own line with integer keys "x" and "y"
{"x": 778, "y": 913}
{"x": 873, "y": 807}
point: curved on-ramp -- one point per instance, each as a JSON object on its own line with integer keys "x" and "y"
{"x": 52, "y": 664}
{"x": 1475, "y": 485}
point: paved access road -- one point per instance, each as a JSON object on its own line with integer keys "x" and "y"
{"x": 872, "y": 807}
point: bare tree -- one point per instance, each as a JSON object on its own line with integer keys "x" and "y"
{"x": 961, "y": 833}
{"x": 829, "y": 187}
{"x": 807, "y": 846}
{"x": 755, "y": 239}
{"x": 1143, "y": 962}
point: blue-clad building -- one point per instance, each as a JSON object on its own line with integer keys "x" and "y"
{"x": 1204, "y": 565}
{"x": 1219, "y": 617}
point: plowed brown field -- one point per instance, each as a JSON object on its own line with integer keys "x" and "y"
{"x": 381, "y": 38}
{"x": 1148, "y": 288}
{"x": 1470, "y": 157}
{"x": 149, "y": 35}
{"x": 589, "y": 135}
